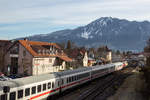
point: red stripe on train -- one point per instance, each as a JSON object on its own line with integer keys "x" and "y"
{"x": 34, "y": 97}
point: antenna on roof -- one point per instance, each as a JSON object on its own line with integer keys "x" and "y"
{"x": 25, "y": 39}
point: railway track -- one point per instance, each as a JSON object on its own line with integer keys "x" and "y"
{"x": 97, "y": 91}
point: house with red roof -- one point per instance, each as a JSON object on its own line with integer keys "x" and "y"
{"x": 34, "y": 58}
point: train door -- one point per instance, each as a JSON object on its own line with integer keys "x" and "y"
{"x": 60, "y": 84}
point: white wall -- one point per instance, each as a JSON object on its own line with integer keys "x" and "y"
{"x": 85, "y": 60}
{"x": 44, "y": 65}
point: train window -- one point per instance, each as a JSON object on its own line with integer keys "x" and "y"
{"x": 67, "y": 80}
{"x": 3, "y": 97}
{"x": 39, "y": 88}
{"x": 27, "y": 91}
{"x": 74, "y": 78}
{"x": 58, "y": 83}
{"x": 62, "y": 81}
{"x": 20, "y": 94}
{"x": 44, "y": 87}
{"x": 52, "y": 84}
{"x": 34, "y": 90}
{"x": 49, "y": 85}
{"x": 12, "y": 96}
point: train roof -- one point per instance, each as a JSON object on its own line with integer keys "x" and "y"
{"x": 68, "y": 72}
{"x": 26, "y": 80}
{"x": 38, "y": 78}
{"x": 103, "y": 66}
{"x": 118, "y": 63}
{"x": 44, "y": 77}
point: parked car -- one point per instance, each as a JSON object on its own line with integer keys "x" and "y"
{"x": 14, "y": 76}
{"x": 4, "y": 78}
{"x": 1, "y": 74}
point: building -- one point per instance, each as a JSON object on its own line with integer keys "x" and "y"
{"x": 4, "y": 45}
{"x": 91, "y": 61}
{"x": 85, "y": 60}
{"x": 34, "y": 58}
{"x": 147, "y": 58}
{"x": 79, "y": 57}
{"x": 109, "y": 56}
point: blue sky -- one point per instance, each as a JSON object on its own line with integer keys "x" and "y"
{"x": 19, "y": 18}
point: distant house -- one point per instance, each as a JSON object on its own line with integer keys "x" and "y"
{"x": 34, "y": 58}
{"x": 91, "y": 61}
{"x": 109, "y": 56}
{"x": 147, "y": 58}
{"x": 85, "y": 59}
{"x": 78, "y": 56}
{"x": 106, "y": 56}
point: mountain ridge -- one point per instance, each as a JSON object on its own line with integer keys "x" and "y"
{"x": 119, "y": 34}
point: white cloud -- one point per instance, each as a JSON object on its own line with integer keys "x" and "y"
{"x": 68, "y": 12}
{"x": 35, "y": 10}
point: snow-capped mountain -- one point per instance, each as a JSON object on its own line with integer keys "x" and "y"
{"x": 116, "y": 33}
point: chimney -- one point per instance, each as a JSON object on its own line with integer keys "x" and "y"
{"x": 25, "y": 39}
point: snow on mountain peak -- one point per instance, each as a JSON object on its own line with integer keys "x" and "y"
{"x": 86, "y": 34}
{"x": 104, "y": 20}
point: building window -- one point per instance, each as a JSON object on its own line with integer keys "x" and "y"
{"x": 50, "y": 60}
{"x": 24, "y": 53}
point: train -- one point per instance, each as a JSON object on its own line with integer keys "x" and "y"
{"x": 46, "y": 85}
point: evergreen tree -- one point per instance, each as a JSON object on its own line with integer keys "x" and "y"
{"x": 68, "y": 45}
{"x": 147, "y": 50}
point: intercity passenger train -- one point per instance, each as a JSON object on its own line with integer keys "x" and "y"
{"x": 43, "y": 86}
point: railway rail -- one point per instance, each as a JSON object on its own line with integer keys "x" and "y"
{"x": 98, "y": 90}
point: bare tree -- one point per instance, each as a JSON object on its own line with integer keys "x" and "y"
{"x": 147, "y": 50}
{"x": 1, "y": 59}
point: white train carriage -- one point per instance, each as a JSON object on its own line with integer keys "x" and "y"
{"x": 101, "y": 70}
{"x": 29, "y": 88}
{"x": 74, "y": 77}
{"x": 118, "y": 66}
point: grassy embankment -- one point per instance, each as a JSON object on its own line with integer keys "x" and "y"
{"x": 146, "y": 71}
